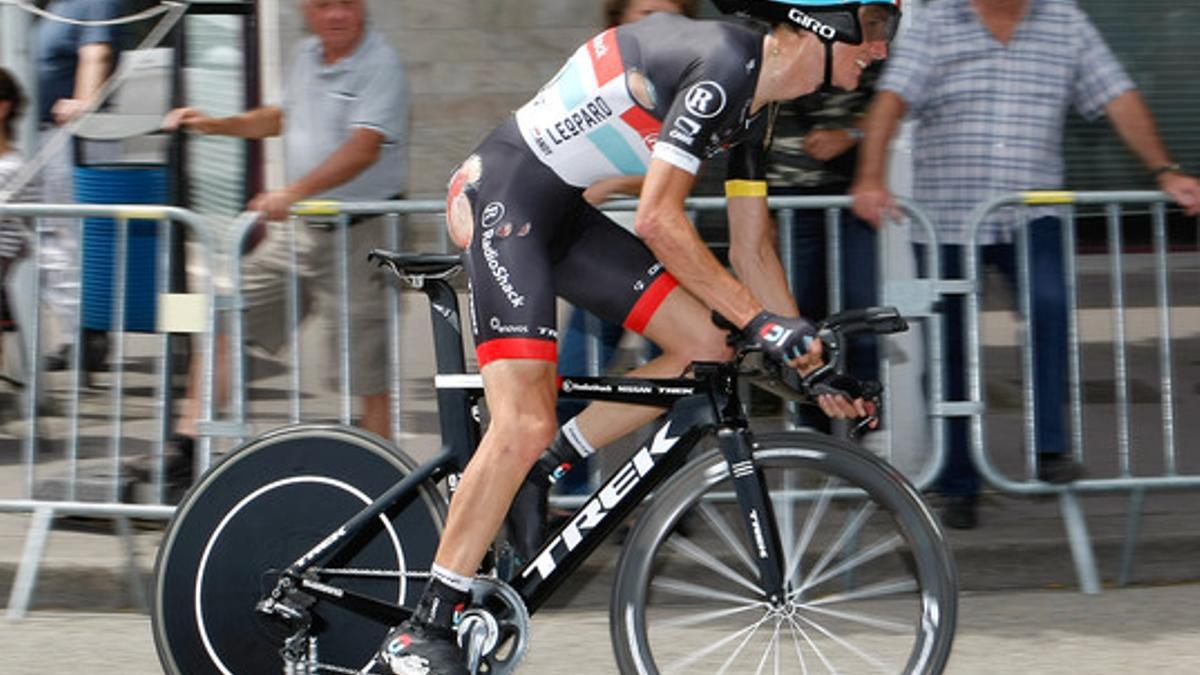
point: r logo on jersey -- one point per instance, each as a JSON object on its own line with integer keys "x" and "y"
{"x": 705, "y": 99}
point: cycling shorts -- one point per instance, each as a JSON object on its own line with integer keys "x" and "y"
{"x": 528, "y": 237}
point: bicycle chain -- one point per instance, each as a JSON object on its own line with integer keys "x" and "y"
{"x": 367, "y": 572}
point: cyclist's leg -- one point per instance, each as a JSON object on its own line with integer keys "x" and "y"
{"x": 612, "y": 273}
{"x": 520, "y": 397}
{"x": 682, "y": 326}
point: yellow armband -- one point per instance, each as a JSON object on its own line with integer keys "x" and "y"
{"x": 745, "y": 188}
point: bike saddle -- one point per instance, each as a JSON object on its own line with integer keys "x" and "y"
{"x": 416, "y": 264}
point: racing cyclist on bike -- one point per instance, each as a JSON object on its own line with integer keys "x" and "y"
{"x": 653, "y": 97}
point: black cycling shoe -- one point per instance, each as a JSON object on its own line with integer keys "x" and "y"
{"x": 415, "y": 649}
{"x": 527, "y": 521}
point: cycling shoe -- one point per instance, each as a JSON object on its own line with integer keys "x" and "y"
{"x": 414, "y": 649}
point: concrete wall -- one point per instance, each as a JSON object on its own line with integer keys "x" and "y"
{"x": 470, "y": 63}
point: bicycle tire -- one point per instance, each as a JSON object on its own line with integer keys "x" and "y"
{"x": 259, "y": 509}
{"x": 684, "y": 595}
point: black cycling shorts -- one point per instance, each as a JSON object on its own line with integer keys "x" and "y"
{"x": 529, "y": 237}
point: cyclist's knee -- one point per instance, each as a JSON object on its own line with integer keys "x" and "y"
{"x": 524, "y": 435}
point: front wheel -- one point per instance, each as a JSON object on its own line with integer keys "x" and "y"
{"x": 254, "y": 514}
{"x": 871, "y": 585}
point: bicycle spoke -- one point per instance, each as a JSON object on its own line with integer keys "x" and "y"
{"x": 785, "y": 516}
{"x": 696, "y": 619}
{"x": 816, "y": 650}
{"x": 849, "y": 529}
{"x": 688, "y": 589}
{"x": 723, "y": 529}
{"x": 893, "y": 587}
{"x": 685, "y": 665}
{"x": 734, "y": 656}
{"x": 871, "y": 660}
{"x": 867, "y": 555}
{"x": 772, "y": 647}
{"x": 796, "y": 644}
{"x": 815, "y": 513}
{"x": 682, "y": 544}
{"x": 883, "y": 624}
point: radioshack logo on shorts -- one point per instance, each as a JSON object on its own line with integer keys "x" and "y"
{"x": 705, "y": 99}
{"x": 492, "y": 214}
{"x": 499, "y": 272}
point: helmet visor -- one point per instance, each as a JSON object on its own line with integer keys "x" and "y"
{"x": 878, "y": 22}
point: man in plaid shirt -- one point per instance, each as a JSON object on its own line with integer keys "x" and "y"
{"x": 989, "y": 83}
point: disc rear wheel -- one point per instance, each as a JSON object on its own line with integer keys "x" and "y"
{"x": 255, "y": 513}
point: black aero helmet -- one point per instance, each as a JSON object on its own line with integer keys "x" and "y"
{"x": 849, "y": 21}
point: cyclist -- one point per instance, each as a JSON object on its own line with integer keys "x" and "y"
{"x": 654, "y": 97}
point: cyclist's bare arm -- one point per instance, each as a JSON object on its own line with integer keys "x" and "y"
{"x": 663, "y": 224}
{"x": 754, "y": 256}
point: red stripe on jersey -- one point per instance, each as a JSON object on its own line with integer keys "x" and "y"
{"x": 606, "y": 56}
{"x": 644, "y": 123}
{"x": 648, "y": 304}
{"x": 516, "y": 348}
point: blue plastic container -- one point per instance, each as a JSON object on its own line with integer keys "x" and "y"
{"x": 120, "y": 185}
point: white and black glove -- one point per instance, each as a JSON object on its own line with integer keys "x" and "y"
{"x": 782, "y": 338}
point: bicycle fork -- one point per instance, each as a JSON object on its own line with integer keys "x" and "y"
{"x": 737, "y": 446}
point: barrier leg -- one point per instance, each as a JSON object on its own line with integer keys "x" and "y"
{"x": 1133, "y": 526}
{"x": 31, "y": 559}
{"x": 136, "y": 588}
{"x": 1080, "y": 541}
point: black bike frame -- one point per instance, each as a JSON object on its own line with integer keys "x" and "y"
{"x": 706, "y": 404}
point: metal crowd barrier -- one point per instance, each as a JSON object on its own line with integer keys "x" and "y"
{"x": 1167, "y": 473}
{"x": 60, "y": 473}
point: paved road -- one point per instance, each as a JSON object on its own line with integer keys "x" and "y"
{"x": 1145, "y": 630}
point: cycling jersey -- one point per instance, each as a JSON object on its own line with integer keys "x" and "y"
{"x": 665, "y": 87}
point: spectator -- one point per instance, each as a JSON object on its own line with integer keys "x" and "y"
{"x": 573, "y": 352}
{"x": 812, "y": 152}
{"x": 989, "y": 83}
{"x": 73, "y": 62}
{"x": 16, "y": 270}
{"x": 344, "y": 124}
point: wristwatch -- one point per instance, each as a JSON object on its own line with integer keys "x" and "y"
{"x": 1171, "y": 167}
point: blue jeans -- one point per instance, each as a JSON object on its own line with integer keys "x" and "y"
{"x": 1048, "y": 335}
{"x": 859, "y": 284}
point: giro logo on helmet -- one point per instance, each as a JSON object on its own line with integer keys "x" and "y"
{"x": 807, "y": 22}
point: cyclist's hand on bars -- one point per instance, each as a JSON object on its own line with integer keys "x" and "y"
{"x": 873, "y": 202}
{"x": 275, "y": 204}
{"x": 841, "y": 396}
{"x": 1184, "y": 189}
{"x": 187, "y": 118}
{"x": 785, "y": 339}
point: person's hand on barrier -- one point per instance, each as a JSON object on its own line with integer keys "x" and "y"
{"x": 66, "y": 109}
{"x": 825, "y": 144}
{"x": 187, "y": 118}
{"x": 274, "y": 204}
{"x": 873, "y": 202}
{"x": 1183, "y": 188}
